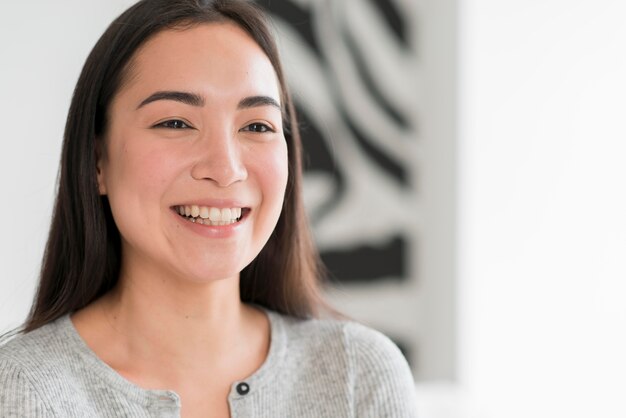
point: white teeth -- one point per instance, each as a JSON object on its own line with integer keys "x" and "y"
{"x": 215, "y": 214}
{"x": 209, "y": 215}
{"x": 226, "y": 215}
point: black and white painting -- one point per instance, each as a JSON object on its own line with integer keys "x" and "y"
{"x": 353, "y": 69}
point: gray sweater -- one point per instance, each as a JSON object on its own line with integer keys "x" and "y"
{"x": 315, "y": 368}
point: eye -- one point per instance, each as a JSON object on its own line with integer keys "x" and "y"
{"x": 173, "y": 124}
{"x": 258, "y": 128}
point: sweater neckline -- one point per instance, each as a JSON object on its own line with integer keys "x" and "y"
{"x": 256, "y": 381}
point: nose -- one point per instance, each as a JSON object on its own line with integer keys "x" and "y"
{"x": 219, "y": 160}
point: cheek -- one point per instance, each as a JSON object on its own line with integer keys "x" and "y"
{"x": 274, "y": 175}
{"x": 138, "y": 180}
{"x": 271, "y": 173}
{"x": 268, "y": 171}
{"x": 140, "y": 170}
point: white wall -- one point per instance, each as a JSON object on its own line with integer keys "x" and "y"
{"x": 43, "y": 45}
{"x": 543, "y": 207}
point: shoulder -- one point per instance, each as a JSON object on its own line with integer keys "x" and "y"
{"x": 362, "y": 345}
{"x": 32, "y": 343}
{"x": 36, "y": 349}
{"x": 367, "y": 361}
{"x": 24, "y": 369}
{"x": 372, "y": 350}
{"x": 384, "y": 385}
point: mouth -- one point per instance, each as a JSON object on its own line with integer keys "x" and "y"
{"x": 211, "y": 216}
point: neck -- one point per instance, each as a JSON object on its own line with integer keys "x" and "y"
{"x": 206, "y": 318}
{"x": 145, "y": 323}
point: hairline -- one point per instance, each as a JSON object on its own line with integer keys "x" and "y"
{"x": 128, "y": 74}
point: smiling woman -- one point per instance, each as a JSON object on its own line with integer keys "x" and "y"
{"x": 179, "y": 278}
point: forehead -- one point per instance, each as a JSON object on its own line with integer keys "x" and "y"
{"x": 207, "y": 58}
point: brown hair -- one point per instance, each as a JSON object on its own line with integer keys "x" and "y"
{"x": 83, "y": 253}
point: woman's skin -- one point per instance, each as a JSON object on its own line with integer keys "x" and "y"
{"x": 175, "y": 321}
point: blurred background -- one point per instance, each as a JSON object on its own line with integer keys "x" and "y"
{"x": 464, "y": 163}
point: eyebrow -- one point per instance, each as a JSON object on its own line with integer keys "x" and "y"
{"x": 177, "y": 96}
{"x": 198, "y": 101}
{"x": 254, "y": 101}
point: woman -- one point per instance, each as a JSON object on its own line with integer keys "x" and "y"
{"x": 179, "y": 278}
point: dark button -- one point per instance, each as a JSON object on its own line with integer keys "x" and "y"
{"x": 243, "y": 388}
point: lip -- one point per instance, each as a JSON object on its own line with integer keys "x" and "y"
{"x": 214, "y": 203}
{"x": 212, "y": 231}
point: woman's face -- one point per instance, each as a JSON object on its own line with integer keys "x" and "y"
{"x": 196, "y": 129}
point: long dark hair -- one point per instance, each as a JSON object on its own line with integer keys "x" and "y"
{"x": 83, "y": 253}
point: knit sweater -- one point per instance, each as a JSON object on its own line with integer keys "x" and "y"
{"x": 314, "y": 368}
